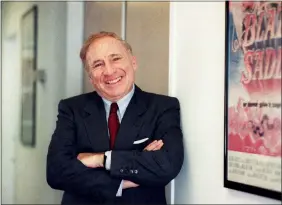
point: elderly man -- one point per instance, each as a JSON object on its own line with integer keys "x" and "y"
{"x": 118, "y": 144}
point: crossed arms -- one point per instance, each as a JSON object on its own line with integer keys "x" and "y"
{"x": 157, "y": 165}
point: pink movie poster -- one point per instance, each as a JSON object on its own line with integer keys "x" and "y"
{"x": 253, "y": 97}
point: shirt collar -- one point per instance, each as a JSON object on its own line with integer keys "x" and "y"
{"x": 122, "y": 103}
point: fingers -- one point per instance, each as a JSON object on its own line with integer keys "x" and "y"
{"x": 159, "y": 145}
{"x": 129, "y": 184}
{"x": 132, "y": 184}
{"x": 150, "y": 146}
{"x": 155, "y": 145}
{"x": 92, "y": 160}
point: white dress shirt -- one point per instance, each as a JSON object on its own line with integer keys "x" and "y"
{"x": 122, "y": 105}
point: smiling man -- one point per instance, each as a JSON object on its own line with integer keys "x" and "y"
{"x": 118, "y": 144}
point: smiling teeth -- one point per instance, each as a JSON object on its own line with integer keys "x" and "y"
{"x": 114, "y": 81}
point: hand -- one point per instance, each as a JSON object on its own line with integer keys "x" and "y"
{"x": 154, "y": 146}
{"x": 128, "y": 184}
{"x": 91, "y": 160}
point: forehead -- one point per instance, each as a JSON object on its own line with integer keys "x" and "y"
{"x": 104, "y": 47}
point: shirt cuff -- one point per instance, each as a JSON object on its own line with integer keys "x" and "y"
{"x": 108, "y": 160}
{"x": 119, "y": 192}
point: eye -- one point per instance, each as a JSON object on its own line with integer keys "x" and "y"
{"x": 116, "y": 58}
{"x": 97, "y": 65}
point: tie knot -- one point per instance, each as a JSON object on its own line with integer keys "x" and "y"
{"x": 114, "y": 108}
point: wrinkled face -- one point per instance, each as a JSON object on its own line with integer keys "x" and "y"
{"x": 111, "y": 68}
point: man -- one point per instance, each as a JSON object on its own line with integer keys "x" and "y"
{"x": 119, "y": 144}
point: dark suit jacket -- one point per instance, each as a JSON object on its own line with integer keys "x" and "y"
{"x": 82, "y": 127}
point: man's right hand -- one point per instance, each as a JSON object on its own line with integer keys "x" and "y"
{"x": 153, "y": 146}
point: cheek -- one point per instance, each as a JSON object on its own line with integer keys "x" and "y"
{"x": 131, "y": 74}
{"x": 97, "y": 76}
{"x": 129, "y": 70}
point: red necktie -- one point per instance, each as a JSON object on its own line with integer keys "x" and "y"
{"x": 113, "y": 124}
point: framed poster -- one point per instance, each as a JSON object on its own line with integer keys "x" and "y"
{"x": 28, "y": 71}
{"x": 252, "y": 151}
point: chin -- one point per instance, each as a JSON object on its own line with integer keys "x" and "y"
{"x": 116, "y": 95}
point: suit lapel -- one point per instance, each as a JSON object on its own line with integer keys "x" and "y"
{"x": 96, "y": 124}
{"x": 131, "y": 121}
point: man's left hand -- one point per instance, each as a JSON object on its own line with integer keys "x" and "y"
{"x": 154, "y": 146}
{"x": 91, "y": 160}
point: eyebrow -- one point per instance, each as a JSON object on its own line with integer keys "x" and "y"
{"x": 115, "y": 55}
{"x": 96, "y": 61}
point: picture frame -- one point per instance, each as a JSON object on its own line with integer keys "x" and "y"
{"x": 252, "y": 119}
{"x": 28, "y": 76}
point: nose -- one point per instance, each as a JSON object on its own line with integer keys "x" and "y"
{"x": 109, "y": 69}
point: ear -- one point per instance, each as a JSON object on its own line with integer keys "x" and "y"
{"x": 134, "y": 63}
{"x": 88, "y": 75}
{"x": 89, "y": 78}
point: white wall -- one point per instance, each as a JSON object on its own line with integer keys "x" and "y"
{"x": 1, "y": 101}
{"x": 197, "y": 33}
{"x": 11, "y": 97}
{"x": 30, "y": 178}
{"x": 10, "y": 101}
{"x": 74, "y": 37}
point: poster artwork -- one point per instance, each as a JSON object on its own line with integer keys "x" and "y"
{"x": 254, "y": 94}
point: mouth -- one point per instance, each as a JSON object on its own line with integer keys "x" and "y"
{"x": 114, "y": 81}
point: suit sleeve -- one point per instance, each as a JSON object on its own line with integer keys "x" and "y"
{"x": 65, "y": 172}
{"x": 154, "y": 168}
